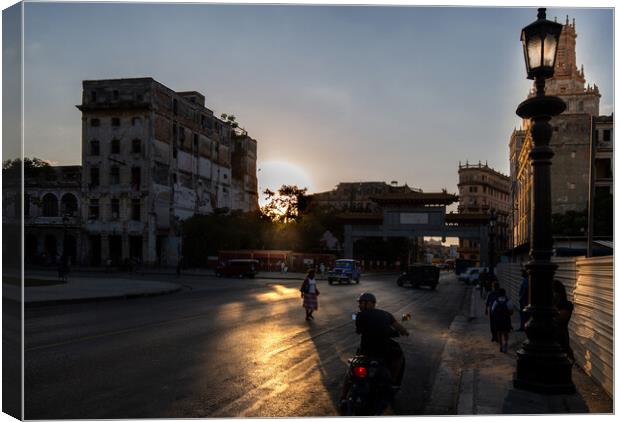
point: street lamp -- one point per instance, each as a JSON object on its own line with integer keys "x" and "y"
{"x": 542, "y": 366}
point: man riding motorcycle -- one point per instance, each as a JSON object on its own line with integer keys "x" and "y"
{"x": 376, "y": 328}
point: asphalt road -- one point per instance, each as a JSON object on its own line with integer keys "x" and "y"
{"x": 222, "y": 348}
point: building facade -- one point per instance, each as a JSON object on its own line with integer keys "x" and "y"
{"x": 571, "y": 140}
{"x": 356, "y": 196}
{"x": 483, "y": 190}
{"x": 151, "y": 157}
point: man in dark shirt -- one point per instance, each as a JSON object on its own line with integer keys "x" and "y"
{"x": 376, "y": 328}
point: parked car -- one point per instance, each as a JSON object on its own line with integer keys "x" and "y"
{"x": 471, "y": 275}
{"x": 420, "y": 275}
{"x": 238, "y": 268}
{"x": 345, "y": 270}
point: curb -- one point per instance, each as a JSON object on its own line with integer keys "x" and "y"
{"x": 40, "y": 303}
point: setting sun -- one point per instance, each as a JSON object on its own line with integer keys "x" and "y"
{"x": 273, "y": 174}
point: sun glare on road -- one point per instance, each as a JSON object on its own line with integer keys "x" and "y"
{"x": 279, "y": 292}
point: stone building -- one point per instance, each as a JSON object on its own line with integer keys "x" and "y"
{"x": 51, "y": 212}
{"x": 356, "y": 196}
{"x": 570, "y": 170}
{"x": 600, "y": 212}
{"x": 152, "y": 157}
{"x": 483, "y": 190}
{"x": 603, "y": 154}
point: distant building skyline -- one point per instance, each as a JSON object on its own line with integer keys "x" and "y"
{"x": 332, "y": 93}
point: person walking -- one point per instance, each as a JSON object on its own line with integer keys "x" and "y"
{"x": 565, "y": 311}
{"x": 63, "y": 268}
{"x": 492, "y": 296}
{"x": 310, "y": 294}
{"x": 524, "y": 300}
{"x": 501, "y": 310}
{"x": 475, "y": 305}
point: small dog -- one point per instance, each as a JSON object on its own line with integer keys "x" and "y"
{"x": 406, "y": 317}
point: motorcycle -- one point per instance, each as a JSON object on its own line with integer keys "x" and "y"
{"x": 371, "y": 390}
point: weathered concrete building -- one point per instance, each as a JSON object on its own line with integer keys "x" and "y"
{"x": 152, "y": 157}
{"x": 570, "y": 170}
{"x": 483, "y": 190}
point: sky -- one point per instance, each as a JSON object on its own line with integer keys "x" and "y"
{"x": 331, "y": 93}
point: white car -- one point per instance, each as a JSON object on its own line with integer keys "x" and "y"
{"x": 472, "y": 274}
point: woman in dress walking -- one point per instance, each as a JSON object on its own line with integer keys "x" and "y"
{"x": 310, "y": 293}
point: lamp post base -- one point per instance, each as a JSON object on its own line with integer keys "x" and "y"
{"x": 544, "y": 372}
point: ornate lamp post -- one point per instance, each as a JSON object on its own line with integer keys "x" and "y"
{"x": 541, "y": 364}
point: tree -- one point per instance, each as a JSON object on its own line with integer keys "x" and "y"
{"x": 205, "y": 235}
{"x": 283, "y": 205}
{"x": 231, "y": 119}
{"x": 33, "y": 167}
{"x": 570, "y": 223}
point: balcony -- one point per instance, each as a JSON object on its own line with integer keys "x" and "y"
{"x": 60, "y": 222}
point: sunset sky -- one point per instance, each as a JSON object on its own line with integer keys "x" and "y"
{"x": 331, "y": 93}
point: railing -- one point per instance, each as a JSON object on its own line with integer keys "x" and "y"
{"x": 589, "y": 285}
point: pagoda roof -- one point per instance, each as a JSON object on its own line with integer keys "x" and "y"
{"x": 419, "y": 198}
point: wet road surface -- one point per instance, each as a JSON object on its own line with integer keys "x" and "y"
{"x": 223, "y": 348}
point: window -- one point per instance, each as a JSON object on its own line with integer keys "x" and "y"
{"x": 175, "y": 151}
{"x": 135, "y": 178}
{"x": 26, "y": 205}
{"x": 136, "y": 121}
{"x": 94, "y": 177}
{"x": 93, "y": 96}
{"x": 195, "y": 142}
{"x": 95, "y": 122}
{"x": 174, "y": 132}
{"x": 115, "y": 146}
{"x": 135, "y": 209}
{"x": 115, "y": 175}
{"x": 68, "y": 204}
{"x": 606, "y": 135}
{"x": 136, "y": 146}
{"x": 175, "y": 106}
{"x": 182, "y": 135}
{"x": 115, "y": 208}
{"x": 93, "y": 209}
{"x": 115, "y": 95}
{"x": 603, "y": 168}
{"x": 50, "y": 205}
{"x": 116, "y": 122}
{"x": 94, "y": 147}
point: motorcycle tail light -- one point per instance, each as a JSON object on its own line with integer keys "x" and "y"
{"x": 360, "y": 371}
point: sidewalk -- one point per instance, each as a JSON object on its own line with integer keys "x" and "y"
{"x": 85, "y": 289}
{"x": 476, "y": 379}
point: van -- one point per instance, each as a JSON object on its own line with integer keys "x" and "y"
{"x": 238, "y": 268}
{"x": 472, "y": 275}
